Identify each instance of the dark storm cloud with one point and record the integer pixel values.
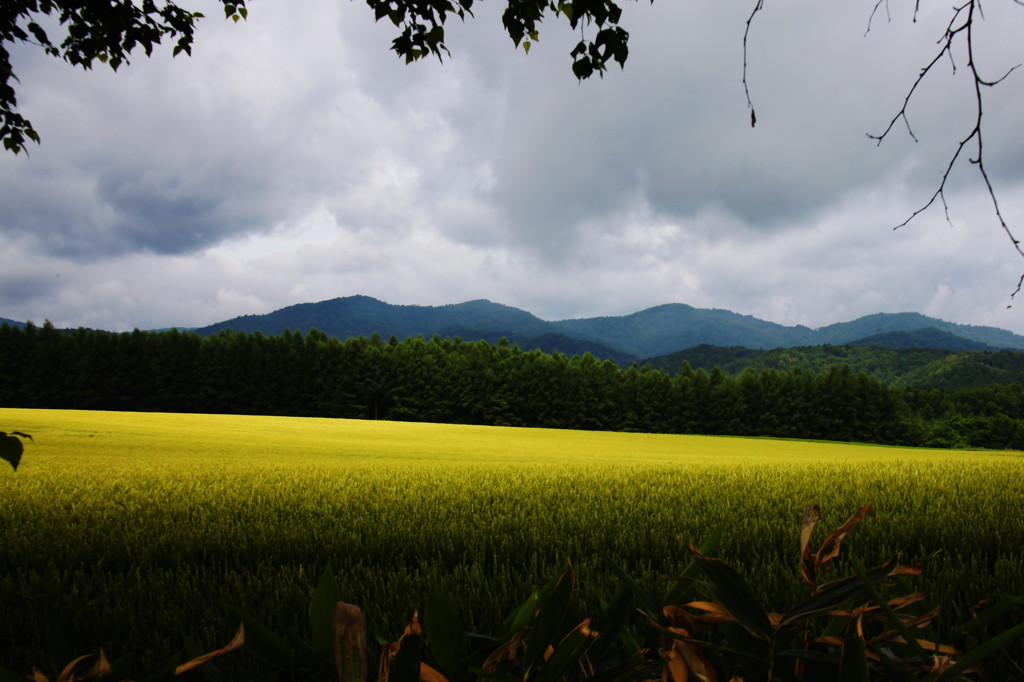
(295, 158)
(19, 284)
(674, 127)
(127, 209)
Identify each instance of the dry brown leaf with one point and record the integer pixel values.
(509, 651)
(384, 666)
(906, 600)
(919, 621)
(349, 636)
(68, 674)
(101, 667)
(830, 546)
(907, 569)
(237, 641)
(695, 661)
(930, 646)
(808, 568)
(941, 664)
(711, 607)
(678, 617)
(428, 674)
(413, 628)
(828, 640)
(674, 668)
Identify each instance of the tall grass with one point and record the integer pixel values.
(131, 529)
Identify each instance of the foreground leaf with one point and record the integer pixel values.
(444, 632)
(322, 605)
(732, 592)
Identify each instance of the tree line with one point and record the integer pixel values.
(454, 381)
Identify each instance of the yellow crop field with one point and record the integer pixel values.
(132, 528)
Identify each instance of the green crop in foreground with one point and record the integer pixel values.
(131, 528)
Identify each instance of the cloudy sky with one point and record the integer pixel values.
(294, 158)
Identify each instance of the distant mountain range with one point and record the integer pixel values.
(649, 333)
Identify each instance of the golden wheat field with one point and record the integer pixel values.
(131, 529)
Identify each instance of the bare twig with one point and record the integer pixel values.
(750, 105)
(874, 11)
(961, 23)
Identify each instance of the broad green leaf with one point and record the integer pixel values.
(264, 644)
(647, 602)
(163, 672)
(732, 592)
(982, 619)
(545, 626)
(444, 633)
(683, 586)
(983, 651)
(520, 618)
(611, 622)
(567, 653)
(325, 598)
(837, 593)
(853, 660)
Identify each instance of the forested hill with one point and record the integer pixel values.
(344, 318)
(899, 367)
(648, 333)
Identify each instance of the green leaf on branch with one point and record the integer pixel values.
(11, 447)
(444, 632)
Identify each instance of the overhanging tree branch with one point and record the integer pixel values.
(746, 88)
(109, 30)
(96, 30)
(961, 24)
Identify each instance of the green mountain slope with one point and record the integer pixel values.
(666, 328)
(923, 338)
(365, 316)
(648, 333)
(847, 332)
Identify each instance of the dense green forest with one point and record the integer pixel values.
(452, 381)
(906, 367)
